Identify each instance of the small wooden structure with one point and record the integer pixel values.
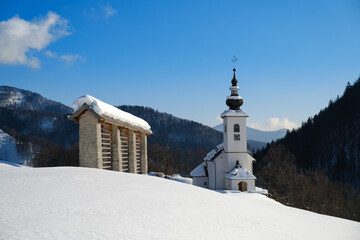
(108, 143)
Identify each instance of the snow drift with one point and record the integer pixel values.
(83, 203)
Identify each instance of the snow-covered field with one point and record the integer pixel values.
(83, 203)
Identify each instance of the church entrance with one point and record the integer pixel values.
(242, 186)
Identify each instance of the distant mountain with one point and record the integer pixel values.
(258, 135)
(176, 132)
(265, 136)
(32, 122)
(11, 97)
(253, 146)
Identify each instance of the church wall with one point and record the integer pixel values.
(233, 157)
(211, 172)
(201, 181)
(250, 163)
(220, 162)
(230, 145)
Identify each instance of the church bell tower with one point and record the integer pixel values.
(235, 141)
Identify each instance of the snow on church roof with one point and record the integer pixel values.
(214, 153)
(234, 113)
(199, 171)
(239, 173)
(108, 111)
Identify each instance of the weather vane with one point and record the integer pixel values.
(234, 60)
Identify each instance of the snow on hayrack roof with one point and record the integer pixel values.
(239, 173)
(109, 112)
(199, 171)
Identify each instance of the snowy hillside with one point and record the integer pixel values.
(81, 203)
(12, 97)
(9, 152)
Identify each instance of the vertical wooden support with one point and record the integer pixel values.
(143, 153)
(116, 149)
(124, 149)
(106, 150)
(138, 154)
(132, 151)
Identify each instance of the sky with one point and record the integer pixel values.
(176, 56)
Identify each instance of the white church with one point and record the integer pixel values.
(229, 166)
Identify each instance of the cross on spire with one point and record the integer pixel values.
(234, 60)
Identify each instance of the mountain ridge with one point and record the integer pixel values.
(259, 135)
(12, 97)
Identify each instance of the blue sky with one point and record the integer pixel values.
(175, 56)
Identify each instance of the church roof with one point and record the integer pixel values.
(239, 173)
(234, 113)
(214, 153)
(107, 112)
(199, 171)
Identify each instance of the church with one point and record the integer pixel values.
(229, 166)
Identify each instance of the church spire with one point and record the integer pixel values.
(234, 80)
(234, 101)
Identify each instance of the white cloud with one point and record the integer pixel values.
(100, 12)
(109, 11)
(90, 12)
(20, 38)
(273, 124)
(70, 58)
(50, 53)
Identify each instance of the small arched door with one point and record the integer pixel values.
(242, 186)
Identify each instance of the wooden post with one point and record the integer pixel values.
(116, 149)
(132, 151)
(143, 153)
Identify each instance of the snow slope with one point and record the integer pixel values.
(8, 151)
(82, 203)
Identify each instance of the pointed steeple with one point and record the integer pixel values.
(234, 101)
(234, 80)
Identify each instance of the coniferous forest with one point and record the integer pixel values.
(316, 167)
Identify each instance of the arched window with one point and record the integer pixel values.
(236, 128)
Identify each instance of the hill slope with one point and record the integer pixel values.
(12, 97)
(176, 132)
(317, 166)
(330, 141)
(82, 203)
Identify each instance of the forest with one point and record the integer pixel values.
(316, 167)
